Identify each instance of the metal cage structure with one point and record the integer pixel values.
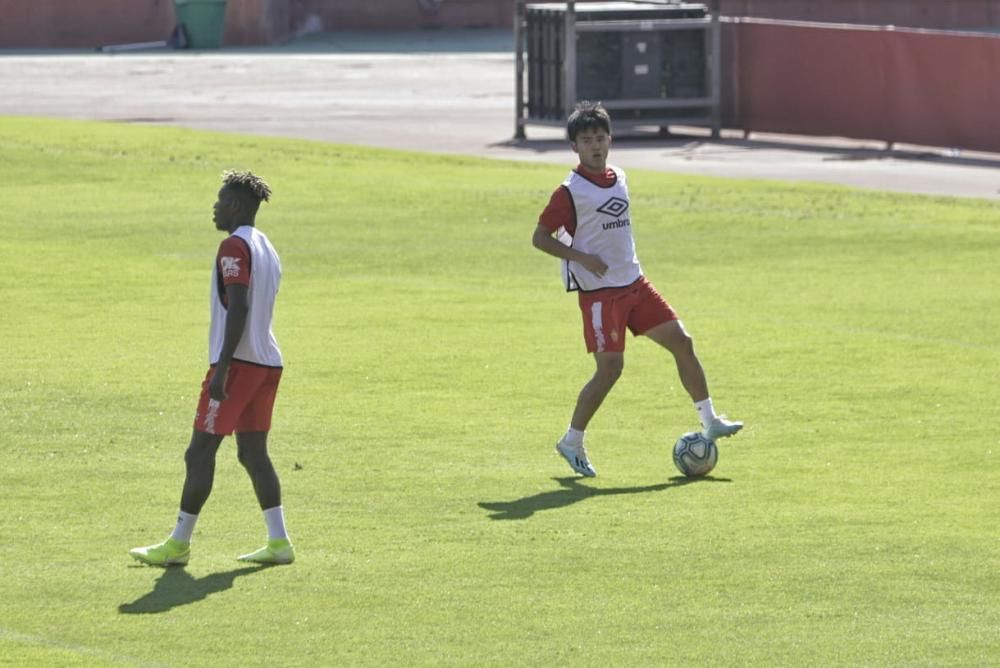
(651, 63)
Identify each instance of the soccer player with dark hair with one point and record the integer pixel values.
(588, 225)
(244, 370)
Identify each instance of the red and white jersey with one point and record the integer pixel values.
(247, 258)
(591, 214)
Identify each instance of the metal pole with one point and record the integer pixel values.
(519, 70)
(715, 71)
(569, 60)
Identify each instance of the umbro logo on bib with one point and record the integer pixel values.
(614, 207)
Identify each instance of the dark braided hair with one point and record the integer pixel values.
(248, 182)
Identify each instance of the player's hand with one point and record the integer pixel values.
(595, 265)
(217, 386)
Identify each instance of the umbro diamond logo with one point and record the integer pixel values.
(615, 207)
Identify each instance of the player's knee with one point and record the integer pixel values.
(253, 459)
(687, 344)
(197, 456)
(682, 344)
(245, 458)
(610, 371)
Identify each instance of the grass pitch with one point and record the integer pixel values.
(432, 362)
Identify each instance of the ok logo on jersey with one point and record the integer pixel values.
(615, 207)
(230, 266)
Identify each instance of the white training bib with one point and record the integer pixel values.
(603, 228)
(257, 344)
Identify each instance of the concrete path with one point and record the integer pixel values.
(449, 92)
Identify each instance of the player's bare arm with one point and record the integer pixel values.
(236, 320)
(545, 242)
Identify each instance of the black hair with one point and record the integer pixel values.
(587, 115)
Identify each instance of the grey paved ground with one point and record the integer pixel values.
(448, 92)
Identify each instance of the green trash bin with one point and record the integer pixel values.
(203, 22)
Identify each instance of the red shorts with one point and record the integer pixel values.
(606, 314)
(251, 389)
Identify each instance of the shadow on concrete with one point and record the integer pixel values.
(444, 41)
(470, 40)
(679, 144)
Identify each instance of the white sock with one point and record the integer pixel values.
(275, 519)
(185, 527)
(706, 411)
(574, 436)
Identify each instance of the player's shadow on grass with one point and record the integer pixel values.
(177, 587)
(573, 492)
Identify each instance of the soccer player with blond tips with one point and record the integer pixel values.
(242, 381)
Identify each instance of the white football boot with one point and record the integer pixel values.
(576, 456)
(721, 428)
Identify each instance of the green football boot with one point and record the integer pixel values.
(277, 551)
(168, 553)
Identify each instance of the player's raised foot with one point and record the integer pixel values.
(721, 428)
(277, 551)
(576, 456)
(168, 553)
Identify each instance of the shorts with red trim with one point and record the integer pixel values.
(251, 390)
(607, 312)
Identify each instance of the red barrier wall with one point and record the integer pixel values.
(87, 23)
(808, 80)
(944, 89)
(61, 24)
(936, 14)
(79, 24)
(257, 22)
(412, 14)
(909, 86)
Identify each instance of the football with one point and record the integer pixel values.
(695, 455)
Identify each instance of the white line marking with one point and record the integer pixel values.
(7, 635)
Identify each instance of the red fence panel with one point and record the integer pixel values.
(801, 79)
(934, 14)
(910, 86)
(61, 24)
(945, 89)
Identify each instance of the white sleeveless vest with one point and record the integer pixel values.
(603, 228)
(258, 345)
